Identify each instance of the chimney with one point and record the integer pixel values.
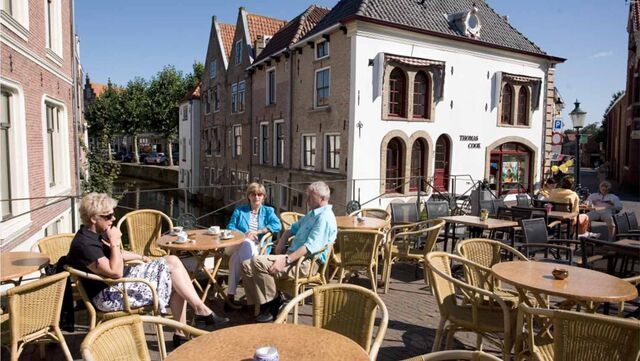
(261, 42)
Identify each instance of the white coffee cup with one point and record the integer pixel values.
(182, 237)
(177, 229)
(226, 233)
(214, 229)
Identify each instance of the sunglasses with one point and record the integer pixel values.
(108, 216)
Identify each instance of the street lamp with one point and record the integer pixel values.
(577, 118)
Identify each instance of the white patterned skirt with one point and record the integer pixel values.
(139, 294)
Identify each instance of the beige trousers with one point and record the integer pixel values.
(259, 284)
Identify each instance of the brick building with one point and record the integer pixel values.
(41, 113)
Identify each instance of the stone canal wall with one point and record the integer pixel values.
(160, 174)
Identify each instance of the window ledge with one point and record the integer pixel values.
(326, 109)
(58, 191)
(513, 126)
(13, 228)
(14, 25)
(54, 57)
(323, 58)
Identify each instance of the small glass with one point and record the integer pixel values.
(484, 214)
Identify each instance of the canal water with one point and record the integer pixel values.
(141, 194)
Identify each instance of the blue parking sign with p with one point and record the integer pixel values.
(557, 124)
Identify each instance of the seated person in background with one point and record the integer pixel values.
(254, 220)
(311, 234)
(565, 194)
(96, 248)
(611, 204)
(549, 185)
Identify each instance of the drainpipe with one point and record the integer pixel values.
(76, 116)
(291, 72)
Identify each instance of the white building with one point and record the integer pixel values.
(189, 141)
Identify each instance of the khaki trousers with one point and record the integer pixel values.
(259, 285)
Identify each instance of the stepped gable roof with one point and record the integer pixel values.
(431, 17)
(293, 31)
(193, 94)
(227, 32)
(263, 25)
(98, 88)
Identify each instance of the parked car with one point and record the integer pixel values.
(155, 158)
(143, 157)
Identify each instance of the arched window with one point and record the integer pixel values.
(507, 101)
(394, 170)
(523, 102)
(418, 156)
(511, 168)
(421, 96)
(397, 91)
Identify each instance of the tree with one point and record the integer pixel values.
(104, 114)
(192, 80)
(136, 108)
(165, 91)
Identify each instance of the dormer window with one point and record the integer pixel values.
(322, 50)
(466, 22)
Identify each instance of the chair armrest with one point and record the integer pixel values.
(628, 235)
(554, 224)
(565, 241)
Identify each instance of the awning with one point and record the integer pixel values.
(413, 61)
(519, 78)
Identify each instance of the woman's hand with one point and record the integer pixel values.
(146, 259)
(114, 236)
(253, 235)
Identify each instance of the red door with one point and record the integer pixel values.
(441, 173)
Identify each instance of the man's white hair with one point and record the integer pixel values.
(320, 188)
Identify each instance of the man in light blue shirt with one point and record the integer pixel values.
(312, 233)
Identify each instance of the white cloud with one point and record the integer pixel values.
(601, 54)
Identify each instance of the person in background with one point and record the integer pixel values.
(610, 203)
(311, 234)
(254, 220)
(565, 194)
(96, 248)
(603, 171)
(549, 185)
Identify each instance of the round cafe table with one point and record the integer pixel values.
(293, 342)
(15, 265)
(368, 223)
(202, 244)
(585, 287)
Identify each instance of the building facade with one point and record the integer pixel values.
(40, 118)
(189, 142)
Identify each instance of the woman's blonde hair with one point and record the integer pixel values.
(255, 187)
(93, 204)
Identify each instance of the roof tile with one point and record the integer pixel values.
(262, 25)
(227, 32)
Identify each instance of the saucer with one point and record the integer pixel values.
(223, 237)
(212, 233)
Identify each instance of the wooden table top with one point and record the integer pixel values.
(202, 241)
(352, 222)
(293, 342)
(562, 215)
(17, 264)
(474, 221)
(582, 284)
(628, 242)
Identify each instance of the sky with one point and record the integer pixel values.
(122, 39)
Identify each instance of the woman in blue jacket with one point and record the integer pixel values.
(254, 220)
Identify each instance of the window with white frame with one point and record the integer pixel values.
(185, 113)
(255, 146)
(278, 136)
(216, 141)
(56, 146)
(322, 49)
(207, 141)
(53, 26)
(241, 96)
(284, 196)
(271, 86)
(213, 176)
(213, 69)
(237, 140)
(215, 98)
(308, 151)
(234, 98)
(238, 52)
(205, 176)
(207, 102)
(332, 151)
(322, 82)
(243, 179)
(14, 168)
(54, 227)
(15, 16)
(264, 143)
(184, 149)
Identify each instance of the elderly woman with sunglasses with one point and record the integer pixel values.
(254, 220)
(96, 248)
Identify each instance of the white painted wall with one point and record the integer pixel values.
(468, 87)
(190, 131)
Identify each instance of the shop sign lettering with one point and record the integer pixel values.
(473, 139)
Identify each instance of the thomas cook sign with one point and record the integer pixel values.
(472, 139)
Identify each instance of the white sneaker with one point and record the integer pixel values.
(590, 235)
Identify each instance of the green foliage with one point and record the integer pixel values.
(102, 170)
(105, 113)
(192, 80)
(165, 91)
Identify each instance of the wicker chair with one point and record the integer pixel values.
(315, 275)
(358, 249)
(144, 227)
(289, 218)
(405, 246)
(54, 246)
(477, 310)
(373, 213)
(349, 310)
(454, 355)
(34, 313)
(404, 213)
(575, 336)
(97, 316)
(124, 338)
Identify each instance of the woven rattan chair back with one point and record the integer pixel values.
(373, 213)
(349, 310)
(54, 246)
(486, 253)
(575, 336)
(144, 227)
(124, 339)
(633, 221)
(359, 249)
(34, 312)
(455, 355)
(289, 218)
